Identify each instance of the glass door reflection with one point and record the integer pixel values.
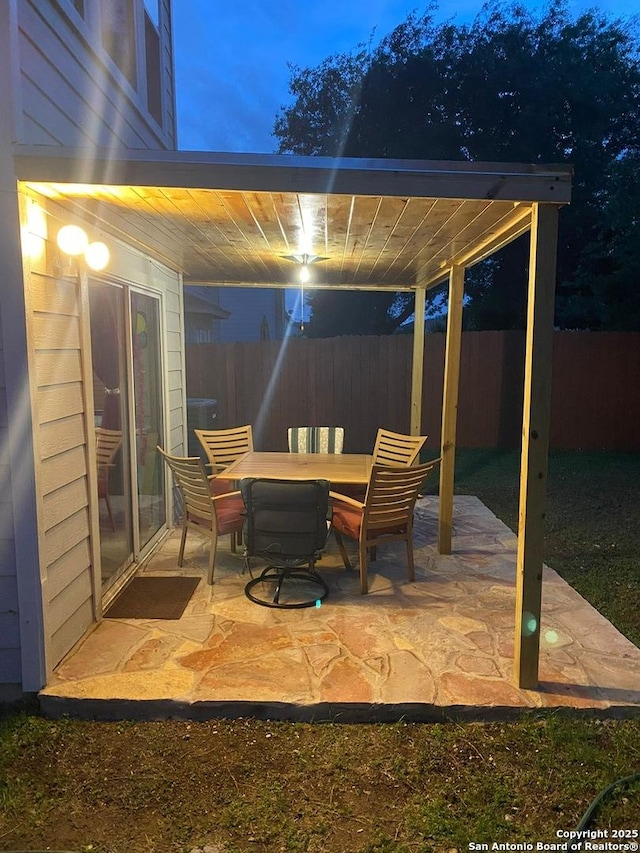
(107, 321)
(148, 417)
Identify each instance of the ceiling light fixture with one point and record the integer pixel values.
(304, 275)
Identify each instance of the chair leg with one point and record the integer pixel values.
(212, 554)
(234, 541)
(412, 574)
(343, 550)
(182, 543)
(362, 548)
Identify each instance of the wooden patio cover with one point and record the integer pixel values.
(232, 219)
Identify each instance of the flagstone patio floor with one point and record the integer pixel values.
(438, 648)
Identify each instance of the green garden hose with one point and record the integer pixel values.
(587, 817)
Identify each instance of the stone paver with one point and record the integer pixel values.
(440, 646)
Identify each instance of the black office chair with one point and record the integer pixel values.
(287, 525)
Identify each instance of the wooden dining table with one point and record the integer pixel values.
(351, 468)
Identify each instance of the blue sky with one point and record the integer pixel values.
(232, 58)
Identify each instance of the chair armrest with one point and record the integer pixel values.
(433, 462)
(346, 499)
(225, 495)
(215, 468)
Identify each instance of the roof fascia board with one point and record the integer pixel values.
(396, 288)
(281, 173)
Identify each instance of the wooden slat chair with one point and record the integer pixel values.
(222, 447)
(315, 439)
(392, 449)
(108, 442)
(204, 511)
(395, 448)
(385, 515)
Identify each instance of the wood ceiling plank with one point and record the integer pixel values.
(494, 221)
(363, 212)
(425, 240)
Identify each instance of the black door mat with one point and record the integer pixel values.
(153, 598)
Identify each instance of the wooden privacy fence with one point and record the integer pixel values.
(362, 383)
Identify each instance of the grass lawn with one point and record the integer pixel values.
(227, 786)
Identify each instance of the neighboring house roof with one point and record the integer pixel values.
(196, 305)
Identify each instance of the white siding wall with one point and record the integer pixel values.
(72, 92)
(59, 87)
(56, 325)
(175, 368)
(130, 266)
(9, 625)
(170, 122)
(61, 453)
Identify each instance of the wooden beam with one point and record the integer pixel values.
(535, 443)
(417, 368)
(299, 174)
(376, 286)
(450, 407)
(509, 229)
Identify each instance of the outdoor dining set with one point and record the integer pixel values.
(282, 507)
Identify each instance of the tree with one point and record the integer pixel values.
(512, 87)
(607, 279)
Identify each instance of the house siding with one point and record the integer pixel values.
(9, 624)
(61, 88)
(61, 457)
(57, 325)
(73, 93)
(175, 372)
(130, 266)
(168, 77)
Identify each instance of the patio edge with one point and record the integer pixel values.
(56, 707)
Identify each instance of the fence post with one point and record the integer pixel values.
(418, 361)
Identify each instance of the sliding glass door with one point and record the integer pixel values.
(128, 420)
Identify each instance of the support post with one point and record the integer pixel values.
(450, 407)
(418, 362)
(535, 442)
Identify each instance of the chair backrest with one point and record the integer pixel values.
(315, 439)
(392, 494)
(224, 446)
(395, 448)
(191, 478)
(285, 518)
(108, 441)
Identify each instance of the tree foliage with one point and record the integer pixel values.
(511, 87)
